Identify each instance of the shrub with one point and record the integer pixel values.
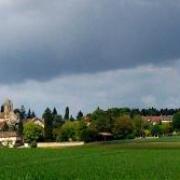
(156, 130)
(33, 144)
(32, 132)
(68, 132)
(147, 132)
(89, 134)
(75, 131)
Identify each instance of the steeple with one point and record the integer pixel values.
(8, 106)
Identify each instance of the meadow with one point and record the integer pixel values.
(127, 160)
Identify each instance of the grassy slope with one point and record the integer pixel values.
(120, 160)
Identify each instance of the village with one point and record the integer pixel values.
(95, 125)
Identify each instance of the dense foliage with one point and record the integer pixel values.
(114, 123)
(32, 132)
(48, 124)
(123, 128)
(176, 121)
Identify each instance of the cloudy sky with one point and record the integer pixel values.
(85, 53)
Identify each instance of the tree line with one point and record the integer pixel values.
(115, 123)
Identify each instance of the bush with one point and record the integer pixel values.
(75, 131)
(32, 132)
(156, 130)
(33, 144)
(147, 132)
(68, 132)
(89, 134)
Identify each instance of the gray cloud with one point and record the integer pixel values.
(42, 39)
(145, 86)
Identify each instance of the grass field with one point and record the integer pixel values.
(139, 159)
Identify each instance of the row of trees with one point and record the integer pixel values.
(115, 111)
(52, 125)
(144, 112)
(53, 120)
(120, 123)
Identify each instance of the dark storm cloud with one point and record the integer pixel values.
(43, 39)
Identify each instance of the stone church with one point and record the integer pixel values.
(8, 122)
(7, 113)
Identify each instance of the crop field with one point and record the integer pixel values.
(147, 160)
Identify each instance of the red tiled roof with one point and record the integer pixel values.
(153, 118)
(157, 118)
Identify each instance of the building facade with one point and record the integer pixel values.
(9, 121)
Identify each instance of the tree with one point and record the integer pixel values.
(86, 133)
(56, 133)
(29, 114)
(32, 132)
(57, 120)
(19, 125)
(23, 112)
(48, 124)
(166, 128)
(72, 118)
(80, 128)
(139, 125)
(33, 115)
(89, 134)
(134, 112)
(20, 128)
(176, 121)
(79, 115)
(101, 120)
(123, 127)
(156, 130)
(66, 116)
(54, 112)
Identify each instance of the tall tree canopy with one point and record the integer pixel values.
(176, 121)
(66, 115)
(48, 124)
(80, 115)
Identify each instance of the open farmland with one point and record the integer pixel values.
(156, 159)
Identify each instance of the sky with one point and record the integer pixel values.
(90, 53)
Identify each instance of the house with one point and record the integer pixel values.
(158, 119)
(7, 113)
(105, 136)
(36, 120)
(10, 139)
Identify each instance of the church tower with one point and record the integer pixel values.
(8, 108)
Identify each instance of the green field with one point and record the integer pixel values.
(148, 160)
